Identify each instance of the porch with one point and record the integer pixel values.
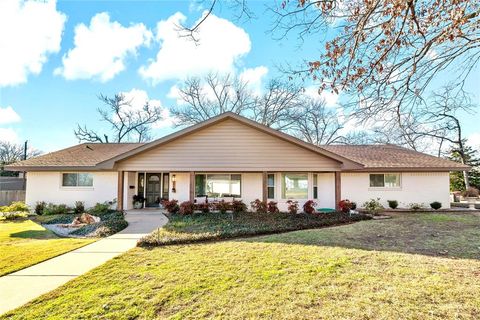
(322, 187)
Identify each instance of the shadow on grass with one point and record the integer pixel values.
(33, 234)
(439, 235)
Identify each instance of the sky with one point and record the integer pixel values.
(57, 57)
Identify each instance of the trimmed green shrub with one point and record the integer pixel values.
(99, 208)
(39, 207)
(393, 204)
(56, 209)
(79, 207)
(435, 205)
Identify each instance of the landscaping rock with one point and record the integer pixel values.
(85, 218)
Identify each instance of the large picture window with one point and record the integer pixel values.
(77, 179)
(218, 185)
(385, 180)
(294, 186)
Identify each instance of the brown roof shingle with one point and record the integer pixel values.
(392, 156)
(82, 155)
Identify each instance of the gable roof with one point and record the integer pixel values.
(104, 156)
(347, 163)
(390, 157)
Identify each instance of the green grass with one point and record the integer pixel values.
(377, 269)
(24, 243)
(214, 226)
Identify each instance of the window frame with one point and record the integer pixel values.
(315, 186)
(384, 187)
(283, 185)
(271, 186)
(205, 181)
(76, 186)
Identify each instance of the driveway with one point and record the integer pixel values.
(22, 286)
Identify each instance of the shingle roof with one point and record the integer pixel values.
(82, 155)
(392, 156)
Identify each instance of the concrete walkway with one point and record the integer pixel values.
(22, 286)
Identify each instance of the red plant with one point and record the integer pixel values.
(171, 206)
(259, 206)
(238, 206)
(292, 206)
(222, 206)
(272, 207)
(309, 207)
(187, 208)
(345, 205)
(204, 207)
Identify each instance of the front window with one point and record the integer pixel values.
(77, 180)
(294, 186)
(218, 185)
(385, 180)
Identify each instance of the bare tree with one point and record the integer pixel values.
(127, 123)
(317, 124)
(13, 152)
(278, 107)
(204, 98)
(384, 53)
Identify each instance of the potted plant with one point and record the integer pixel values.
(471, 194)
(138, 201)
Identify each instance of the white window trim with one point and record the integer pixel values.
(230, 173)
(73, 188)
(400, 180)
(309, 188)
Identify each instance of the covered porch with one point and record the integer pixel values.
(200, 186)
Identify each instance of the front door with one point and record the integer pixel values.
(152, 192)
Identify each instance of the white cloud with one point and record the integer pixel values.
(330, 98)
(101, 48)
(29, 32)
(254, 78)
(8, 115)
(474, 140)
(138, 98)
(221, 45)
(9, 135)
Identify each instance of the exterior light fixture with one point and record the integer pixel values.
(174, 183)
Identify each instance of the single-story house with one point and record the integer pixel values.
(231, 156)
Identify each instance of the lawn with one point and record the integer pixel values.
(414, 266)
(24, 243)
(198, 227)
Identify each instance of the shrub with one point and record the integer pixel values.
(204, 207)
(309, 207)
(79, 207)
(99, 208)
(110, 227)
(415, 206)
(39, 207)
(373, 206)
(272, 207)
(345, 205)
(171, 206)
(13, 215)
(471, 193)
(354, 205)
(435, 205)
(259, 206)
(51, 209)
(393, 204)
(292, 206)
(16, 206)
(222, 206)
(138, 198)
(238, 206)
(187, 208)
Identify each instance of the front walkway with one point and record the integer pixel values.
(22, 286)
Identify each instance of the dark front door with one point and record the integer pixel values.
(153, 189)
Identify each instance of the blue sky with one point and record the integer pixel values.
(60, 56)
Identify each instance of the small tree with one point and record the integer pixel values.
(13, 152)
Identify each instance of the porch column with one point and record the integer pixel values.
(338, 188)
(264, 186)
(192, 186)
(121, 178)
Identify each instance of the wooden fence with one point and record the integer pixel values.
(8, 196)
